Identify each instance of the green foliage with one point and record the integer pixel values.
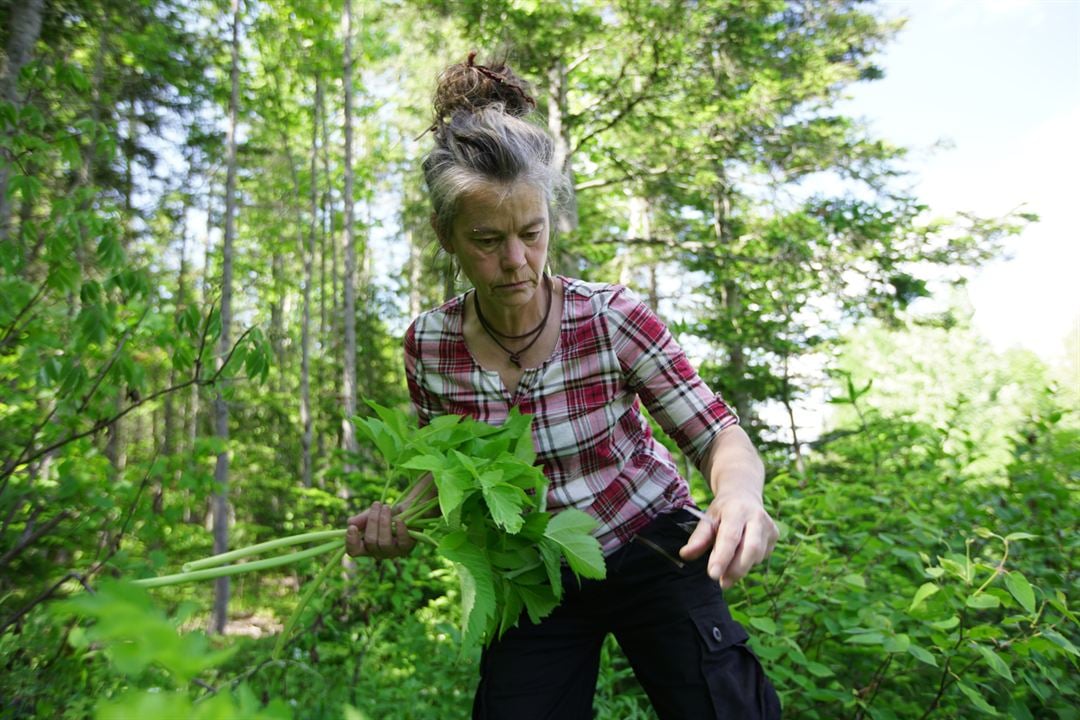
(122, 614)
(904, 588)
(138, 640)
(506, 548)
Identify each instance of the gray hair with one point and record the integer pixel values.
(485, 146)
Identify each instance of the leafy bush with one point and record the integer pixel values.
(905, 587)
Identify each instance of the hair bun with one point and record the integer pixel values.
(470, 87)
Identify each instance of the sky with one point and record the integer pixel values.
(986, 93)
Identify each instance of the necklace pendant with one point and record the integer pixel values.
(515, 360)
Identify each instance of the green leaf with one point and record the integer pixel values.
(1020, 536)
(922, 655)
(137, 635)
(145, 704)
(431, 463)
(925, 591)
(764, 624)
(947, 624)
(467, 463)
(512, 608)
(818, 670)
(388, 443)
(855, 580)
(571, 530)
(897, 643)
(505, 503)
(1061, 604)
(63, 276)
(69, 151)
(1060, 640)
(490, 478)
(961, 570)
(93, 324)
(477, 586)
(982, 601)
(28, 187)
(975, 698)
(454, 485)
(995, 662)
(1019, 587)
(539, 601)
(395, 420)
(867, 638)
(110, 251)
(552, 557)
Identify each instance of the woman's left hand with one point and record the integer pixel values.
(740, 533)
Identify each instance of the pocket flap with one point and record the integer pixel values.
(717, 629)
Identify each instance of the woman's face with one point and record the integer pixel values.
(500, 238)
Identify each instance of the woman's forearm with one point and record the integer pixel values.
(732, 464)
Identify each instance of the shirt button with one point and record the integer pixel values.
(717, 635)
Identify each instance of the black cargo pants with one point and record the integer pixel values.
(671, 621)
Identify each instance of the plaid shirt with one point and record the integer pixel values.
(596, 448)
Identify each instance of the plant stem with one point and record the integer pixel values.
(522, 570)
(244, 552)
(418, 511)
(217, 572)
(422, 538)
(283, 638)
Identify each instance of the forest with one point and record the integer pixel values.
(214, 232)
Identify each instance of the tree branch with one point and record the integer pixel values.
(105, 422)
(9, 332)
(604, 182)
(29, 538)
(111, 362)
(97, 565)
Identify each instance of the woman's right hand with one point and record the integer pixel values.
(379, 533)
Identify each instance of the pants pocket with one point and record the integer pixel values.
(738, 685)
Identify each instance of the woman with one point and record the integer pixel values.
(581, 357)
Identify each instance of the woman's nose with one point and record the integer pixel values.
(513, 255)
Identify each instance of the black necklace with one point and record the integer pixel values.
(535, 333)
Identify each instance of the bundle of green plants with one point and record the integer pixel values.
(488, 517)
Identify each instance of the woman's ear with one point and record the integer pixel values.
(444, 242)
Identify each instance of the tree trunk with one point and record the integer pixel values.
(305, 329)
(730, 299)
(221, 411)
(324, 209)
(169, 444)
(348, 406)
(640, 227)
(24, 27)
(326, 236)
(415, 270)
(567, 220)
(277, 311)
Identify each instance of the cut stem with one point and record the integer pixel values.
(250, 550)
(208, 574)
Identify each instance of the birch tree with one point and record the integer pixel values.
(221, 410)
